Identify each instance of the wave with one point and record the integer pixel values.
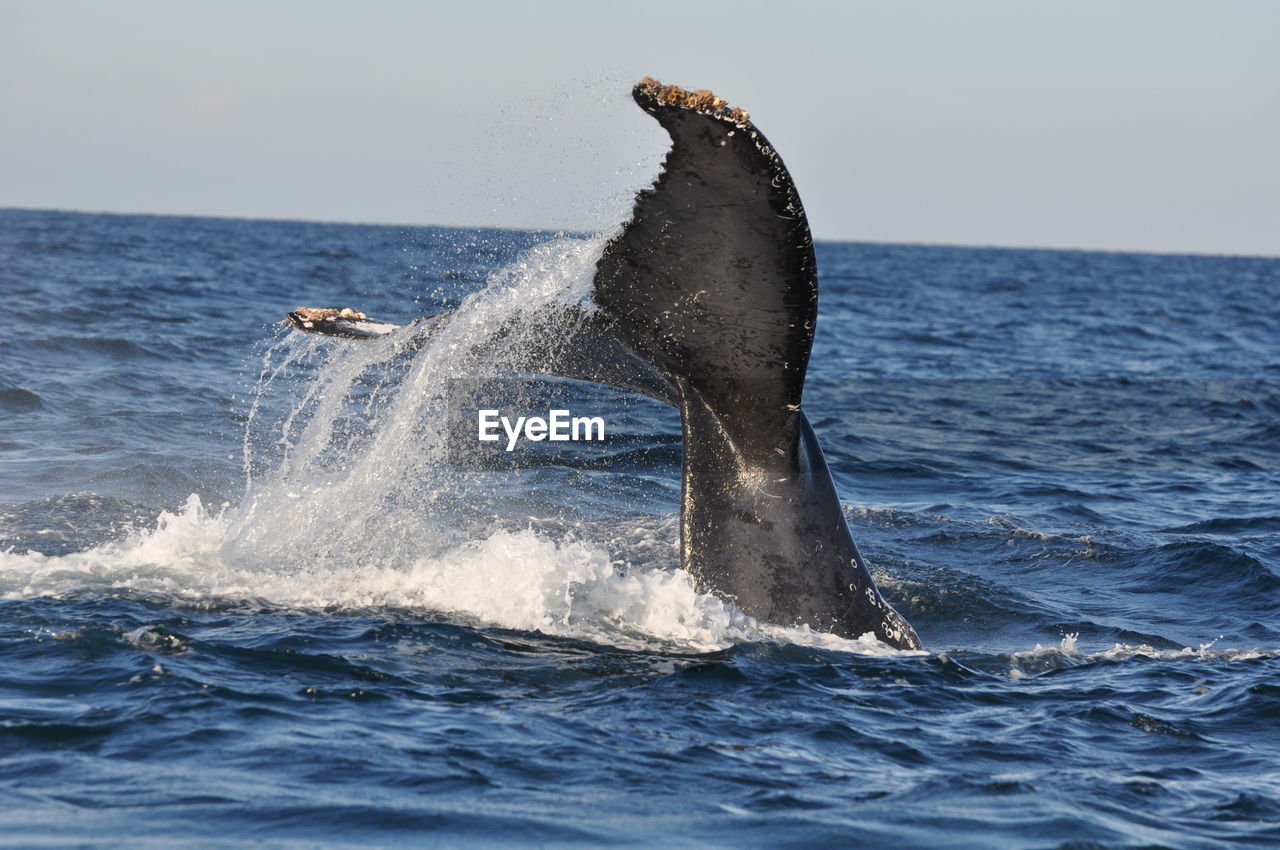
(517, 579)
(1220, 573)
(1229, 526)
(1042, 659)
(62, 524)
(622, 591)
(20, 400)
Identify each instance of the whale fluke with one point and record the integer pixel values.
(714, 281)
(707, 299)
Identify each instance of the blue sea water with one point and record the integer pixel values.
(255, 591)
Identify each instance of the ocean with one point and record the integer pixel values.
(257, 591)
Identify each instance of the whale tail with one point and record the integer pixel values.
(714, 282)
(707, 300)
(714, 278)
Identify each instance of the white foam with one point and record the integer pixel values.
(511, 579)
(1067, 651)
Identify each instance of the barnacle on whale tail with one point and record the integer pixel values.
(702, 100)
(325, 314)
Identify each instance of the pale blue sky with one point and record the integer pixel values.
(1113, 124)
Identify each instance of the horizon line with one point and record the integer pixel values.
(580, 232)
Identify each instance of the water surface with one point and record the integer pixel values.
(254, 593)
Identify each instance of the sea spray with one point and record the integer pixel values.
(369, 474)
(356, 499)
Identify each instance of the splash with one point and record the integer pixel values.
(521, 579)
(356, 498)
(361, 465)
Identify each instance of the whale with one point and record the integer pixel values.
(707, 300)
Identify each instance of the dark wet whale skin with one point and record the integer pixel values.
(714, 282)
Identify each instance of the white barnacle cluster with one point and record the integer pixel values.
(702, 100)
(311, 315)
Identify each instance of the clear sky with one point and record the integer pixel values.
(1110, 124)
